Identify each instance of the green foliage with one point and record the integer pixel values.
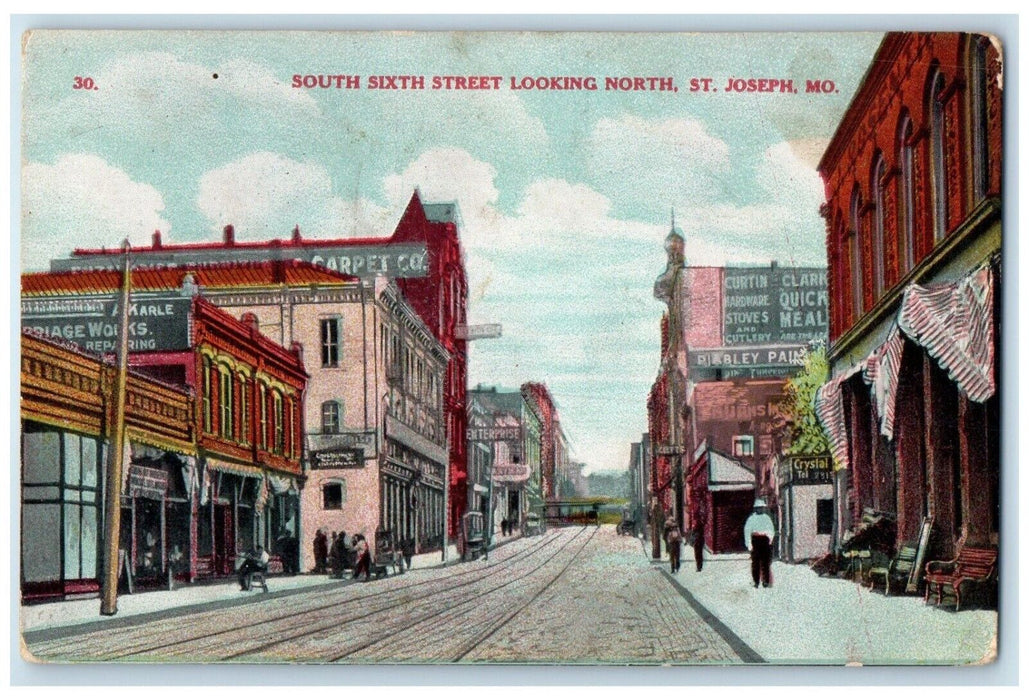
(802, 433)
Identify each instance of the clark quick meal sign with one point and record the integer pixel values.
(156, 323)
(766, 305)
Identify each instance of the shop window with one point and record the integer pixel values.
(330, 342)
(742, 445)
(823, 516)
(330, 417)
(334, 495)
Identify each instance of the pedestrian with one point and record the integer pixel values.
(673, 542)
(321, 551)
(758, 534)
(254, 560)
(364, 558)
(699, 528)
(408, 549)
(336, 555)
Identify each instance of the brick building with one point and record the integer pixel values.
(225, 476)
(913, 222)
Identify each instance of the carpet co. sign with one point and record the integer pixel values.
(764, 305)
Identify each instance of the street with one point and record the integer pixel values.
(578, 594)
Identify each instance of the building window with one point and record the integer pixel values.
(906, 239)
(854, 250)
(937, 155)
(334, 495)
(878, 261)
(279, 444)
(262, 438)
(205, 392)
(330, 342)
(980, 152)
(823, 516)
(330, 417)
(225, 402)
(742, 445)
(244, 410)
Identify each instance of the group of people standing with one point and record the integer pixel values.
(758, 535)
(336, 553)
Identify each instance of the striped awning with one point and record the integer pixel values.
(829, 409)
(882, 370)
(953, 321)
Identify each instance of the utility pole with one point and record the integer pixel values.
(116, 454)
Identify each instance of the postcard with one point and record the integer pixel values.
(510, 347)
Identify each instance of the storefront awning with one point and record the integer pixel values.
(250, 470)
(953, 321)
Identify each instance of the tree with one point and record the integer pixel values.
(802, 432)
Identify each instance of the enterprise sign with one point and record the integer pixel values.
(388, 259)
(494, 433)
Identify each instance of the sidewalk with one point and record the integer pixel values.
(804, 618)
(223, 591)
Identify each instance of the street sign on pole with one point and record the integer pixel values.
(479, 332)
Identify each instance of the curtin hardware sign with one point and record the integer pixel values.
(156, 323)
(338, 459)
(765, 305)
(387, 259)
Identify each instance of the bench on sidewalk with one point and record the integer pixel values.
(898, 570)
(974, 568)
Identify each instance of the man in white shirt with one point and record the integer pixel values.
(758, 535)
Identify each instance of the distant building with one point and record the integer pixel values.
(913, 222)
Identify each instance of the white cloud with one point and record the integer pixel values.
(643, 161)
(264, 195)
(447, 175)
(83, 201)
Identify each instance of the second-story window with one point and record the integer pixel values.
(225, 402)
(262, 437)
(937, 158)
(244, 410)
(205, 391)
(330, 417)
(878, 261)
(906, 218)
(279, 444)
(854, 245)
(330, 342)
(980, 116)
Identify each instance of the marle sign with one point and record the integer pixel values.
(156, 323)
(388, 260)
(764, 305)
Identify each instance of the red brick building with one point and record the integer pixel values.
(544, 405)
(237, 482)
(913, 219)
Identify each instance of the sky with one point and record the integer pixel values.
(565, 195)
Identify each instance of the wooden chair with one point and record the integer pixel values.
(897, 571)
(974, 568)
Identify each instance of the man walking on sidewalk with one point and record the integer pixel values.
(673, 541)
(758, 534)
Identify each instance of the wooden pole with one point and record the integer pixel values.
(116, 454)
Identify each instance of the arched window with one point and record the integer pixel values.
(225, 402)
(906, 215)
(279, 444)
(937, 151)
(244, 410)
(205, 394)
(331, 417)
(878, 257)
(980, 152)
(854, 254)
(262, 438)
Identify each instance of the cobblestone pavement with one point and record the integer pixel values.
(576, 595)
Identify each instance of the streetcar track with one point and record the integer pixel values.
(388, 609)
(133, 646)
(460, 608)
(479, 640)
